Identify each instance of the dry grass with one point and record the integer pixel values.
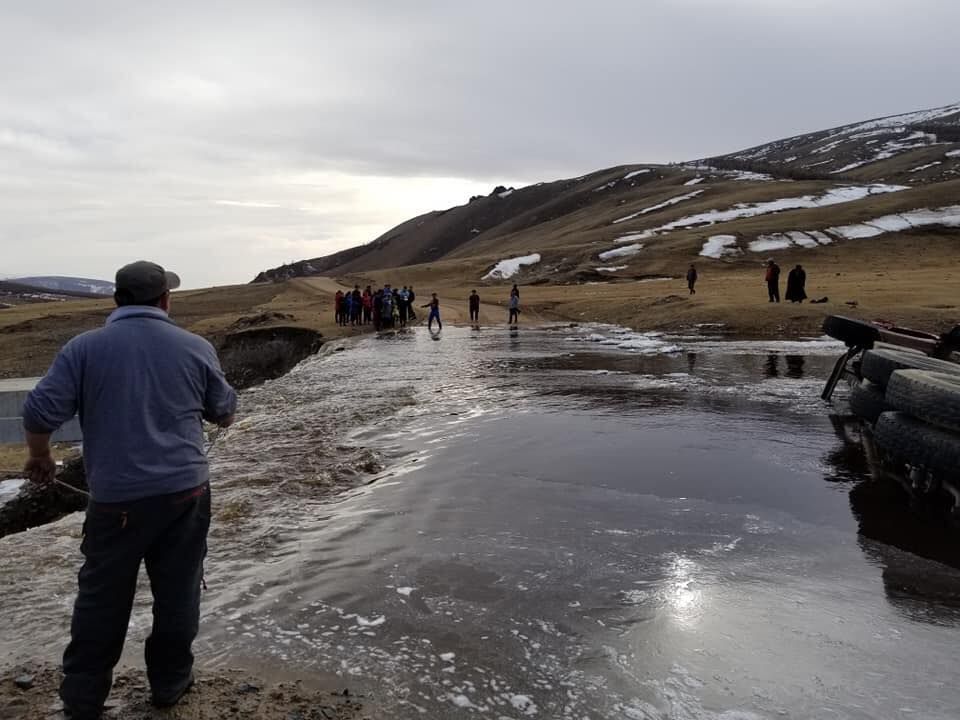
(14, 455)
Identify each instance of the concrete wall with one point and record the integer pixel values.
(12, 395)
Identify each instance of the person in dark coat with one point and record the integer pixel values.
(692, 279)
(796, 285)
(773, 280)
(474, 307)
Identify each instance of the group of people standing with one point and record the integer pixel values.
(390, 307)
(796, 283)
(386, 307)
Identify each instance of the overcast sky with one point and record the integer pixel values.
(222, 138)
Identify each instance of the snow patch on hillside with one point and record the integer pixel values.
(626, 251)
(719, 245)
(945, 216)
(611, 268)
(636, 172)
(660, 206)
(508, 268)
(953, 154)
(834, 196)
(892, 148)
(921, 168)
(695, 181)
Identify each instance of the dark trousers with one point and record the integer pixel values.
(773, 290)
(514, 317)
(474, 315)
(168, 533)
(690, 284)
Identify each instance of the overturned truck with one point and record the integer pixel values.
(905, 387)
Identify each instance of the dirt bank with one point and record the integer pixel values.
(30, 692)
(39, 504)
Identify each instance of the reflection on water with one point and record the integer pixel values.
(915, 543)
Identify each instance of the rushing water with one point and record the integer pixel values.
(557, 523)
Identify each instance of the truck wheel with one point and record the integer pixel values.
(928, 396)
(867, 401)
(855, 333)
(914, 442)
(878, 365)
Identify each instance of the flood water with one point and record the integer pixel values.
(556, 523)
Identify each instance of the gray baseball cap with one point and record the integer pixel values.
(143, 282)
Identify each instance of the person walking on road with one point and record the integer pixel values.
(474, 308)
(773, 280)
(514, 306)
(797, 285)
(434, 306)
(142, 387)
(692, 279)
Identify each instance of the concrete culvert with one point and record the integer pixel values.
(931, 397)
(879, 365)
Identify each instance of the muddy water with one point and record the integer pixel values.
(564, 522)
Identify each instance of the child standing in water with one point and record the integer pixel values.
(434, 306)
(514, 308)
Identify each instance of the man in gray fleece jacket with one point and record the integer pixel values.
(141, 386)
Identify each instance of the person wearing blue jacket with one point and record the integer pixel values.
(142, 387)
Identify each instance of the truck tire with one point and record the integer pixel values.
(914, 442)
(928, 396)
(867, 401)
(855, 333)
(878, 365)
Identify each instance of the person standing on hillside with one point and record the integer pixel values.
(692, 279)
(773, 280)
(797, 285)
(434, 306)
(474, 307)
(514, 306)
(142, 387)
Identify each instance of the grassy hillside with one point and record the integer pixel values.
(912, 160)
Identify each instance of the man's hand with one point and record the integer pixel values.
(41, 469)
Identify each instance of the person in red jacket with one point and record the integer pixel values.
(773, 280)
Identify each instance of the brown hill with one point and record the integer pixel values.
(768, 199)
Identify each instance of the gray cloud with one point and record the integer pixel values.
(134, 130)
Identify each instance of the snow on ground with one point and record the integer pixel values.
(612, 268)
(818, 164)
(607, 186)
(508, 268)
(891, 148)
(914, 118)
(719, 245)
(633, 237)
(636, 172)
(625, 251)
(695, 181)
(505, 193)
(833, 196)
(953, 154)
(926, 167)
(9, 489)
(946, 216)
(660, 206)
(732, 174)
